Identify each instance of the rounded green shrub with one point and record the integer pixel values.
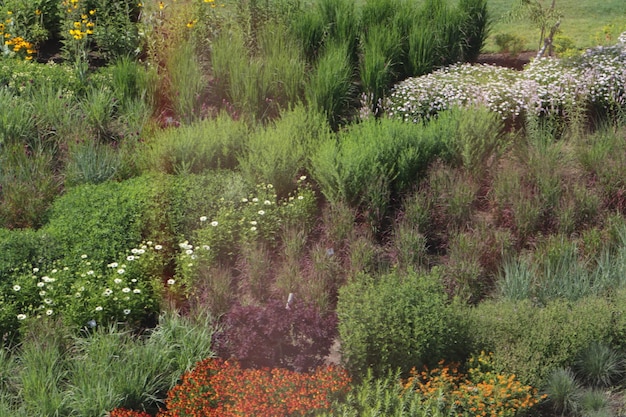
(532, 341)
(398, 322)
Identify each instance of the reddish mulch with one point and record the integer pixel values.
(507, 60)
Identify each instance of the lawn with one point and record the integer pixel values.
(587, 23)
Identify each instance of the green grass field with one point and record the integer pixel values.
(586, 22)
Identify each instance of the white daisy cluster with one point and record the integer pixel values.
(545, 87)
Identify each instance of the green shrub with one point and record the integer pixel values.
(25, 77)
(480, 140)
(398, 322)
(19, 249)
(197, 195)
(105, 220)
(223, 235)
(36, 21)
(375, 160)
(509, 44)
(116, 34)
(279, 153)
(384, 396)
(88, 293)
(532, 341)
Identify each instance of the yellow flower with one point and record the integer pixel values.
(28, 58)
(9, 12)
(77, 25)
(37, 12)
(161, 5)
(92, 12)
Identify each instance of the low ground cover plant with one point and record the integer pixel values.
(223, 388)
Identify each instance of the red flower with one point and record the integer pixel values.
(224, 389)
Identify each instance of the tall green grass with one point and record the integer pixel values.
(557, 270)
(329, 88)
(186, 81)
(54, 373)
(369, 163)
(259, 81)
(28, 185)
(380, 62)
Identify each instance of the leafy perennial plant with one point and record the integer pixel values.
(483, 392)
(87, 295)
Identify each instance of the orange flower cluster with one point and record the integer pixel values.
(17, 44)
(217, 388)
(123, 412)
(482, 393)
